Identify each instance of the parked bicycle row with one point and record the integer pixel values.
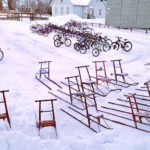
(86, 38)
(97, 44)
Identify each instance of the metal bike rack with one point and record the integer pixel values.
(46, 123)
(118, 73)
(101, 75)
(6, 114)
(136, 112)
(45, 71)
(88, 118)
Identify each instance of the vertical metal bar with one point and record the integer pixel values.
(92, 88)
(87, 113)
(134, 119)
(48, 70)
(77, 83)
(137, 109)
(105, 72)
(121, 70)
(88, 73)
(96, 72)
(70, 90)
(6, 109)
(54, 117)
(78, 87)
(40, 70)
(104, 69)
(53, 111)
(39, 114)
(146, 31)
(80, 79)
(114, 70)
(148, 89)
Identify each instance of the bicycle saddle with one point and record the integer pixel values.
(118, 37)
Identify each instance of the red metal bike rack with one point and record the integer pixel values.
(136, 112)
(148, 87)
(88, 118)
(118, 73)
(46, 123)
(101, 75)
(87, 85)
(75, 91)
(6, 114)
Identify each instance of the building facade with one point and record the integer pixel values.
(83, 9)
(128, 13)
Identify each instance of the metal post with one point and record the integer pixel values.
(121, 70)
(39, 114)
(136, 106)
(70, 90)
(134, 119)
(6, 108)
(48, 70)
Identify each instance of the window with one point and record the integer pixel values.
(100, 12)
(56, 10)
(68, 10)
(62, 10)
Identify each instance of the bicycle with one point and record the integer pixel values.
(125, 45)
(62, 39)
(82, 45)
(1, 54)
(99, 46)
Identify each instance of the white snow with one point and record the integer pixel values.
(81, 3)
(22, 52)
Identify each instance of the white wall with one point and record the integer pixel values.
(98, 5)
(79, 11)
(66, 5)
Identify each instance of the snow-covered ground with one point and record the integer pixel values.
(22, 52)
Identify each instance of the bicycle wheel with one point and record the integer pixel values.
(82, 49)
(57, 43)
(67, 42)
(106, 47)
(45, 34)
(95, 52)
(76, 46)
(115, 45)
(1, 54)
(56, 37)
(109, 41)
(127, 46)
